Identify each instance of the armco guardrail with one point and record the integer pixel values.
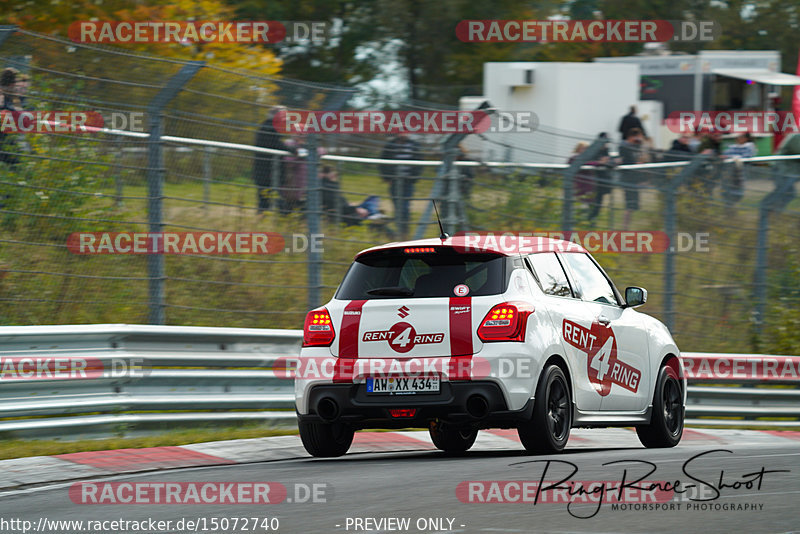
(737, 390)
(71, 381)
(133, 377)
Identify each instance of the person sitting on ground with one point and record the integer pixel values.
(333, 201)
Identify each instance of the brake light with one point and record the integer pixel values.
(402, 412)
(418, 250)
(505, 322)
(318, 329)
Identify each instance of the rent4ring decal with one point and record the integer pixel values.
(604, 369)
(402, 337)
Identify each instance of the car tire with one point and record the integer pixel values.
(666, 422)
(548, 429)
(450, 439)
(326, 440)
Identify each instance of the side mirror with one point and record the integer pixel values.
(635, 296)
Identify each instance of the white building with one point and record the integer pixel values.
(573, 102)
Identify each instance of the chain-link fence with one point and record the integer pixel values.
(728, 280)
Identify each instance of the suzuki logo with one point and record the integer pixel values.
(402, 311)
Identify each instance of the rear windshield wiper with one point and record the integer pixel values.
(391, 292)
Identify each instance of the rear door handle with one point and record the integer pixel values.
(603, 320)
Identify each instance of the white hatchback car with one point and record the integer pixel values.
(454, 338)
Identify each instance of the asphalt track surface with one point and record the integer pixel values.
(419, 485)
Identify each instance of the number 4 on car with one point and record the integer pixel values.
(456, 339)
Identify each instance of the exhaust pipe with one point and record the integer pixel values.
(477, 406)
(328, 409)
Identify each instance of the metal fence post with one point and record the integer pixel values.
(773, 202)
(436, 192)
(614, 176)
(155, 186)
(453, 194)
(337, 213)
(313, 212)
(206, 176)
(116, 171)
(450, 149)
(671, 228)
(6, 32)
(275, 178)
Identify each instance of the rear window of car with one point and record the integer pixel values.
(395, 274)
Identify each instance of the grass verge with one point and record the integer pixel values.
(25, 448)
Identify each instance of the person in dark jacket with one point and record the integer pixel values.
(401, 178)
(629, 122)
(682, 144)
(8, 96)
(264, 164)
(602, 179)
(631, 151)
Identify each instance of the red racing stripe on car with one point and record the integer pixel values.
(348, 341)
(460, 337)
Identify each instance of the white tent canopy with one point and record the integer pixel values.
(763, 76)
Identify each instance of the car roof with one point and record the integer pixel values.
(506, 245)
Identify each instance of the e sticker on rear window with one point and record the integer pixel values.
(461, 290)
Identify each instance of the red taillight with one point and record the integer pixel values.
(505, 322)
(402, 412)
(419, 250)
(318, 329)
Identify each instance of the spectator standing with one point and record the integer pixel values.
(680, 149)
(629, 122)
(631, 151)
(694, 142)
(264, 163)
(733, 189)
(744, 147)
(602, 179)
(584, 178)
(401, 178)
(711, 143)
(21, 88)
(8, 97)
(294, 187)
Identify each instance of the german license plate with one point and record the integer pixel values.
(400, 385)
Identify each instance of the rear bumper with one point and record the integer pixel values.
(361, 410)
